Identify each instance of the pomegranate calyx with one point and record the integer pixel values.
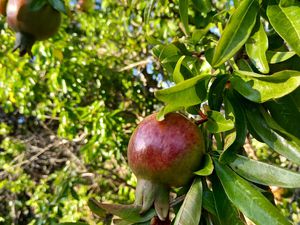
(24, 42)
(149, 193)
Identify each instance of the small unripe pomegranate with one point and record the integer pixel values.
(85, 5)
(163, 154)
(29, 25)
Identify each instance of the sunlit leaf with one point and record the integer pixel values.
(217, 123)
(264, 173)
(286, 22)
(260, 88)
(247, 199)
(226, 212)
(277, 57)
(207, 166)
(177, 76)
(256, 48)
(184, 16)
(236, 32)
(190, 210)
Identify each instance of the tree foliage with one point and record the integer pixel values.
(67, 113)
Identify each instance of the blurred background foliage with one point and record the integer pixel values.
(67, 114)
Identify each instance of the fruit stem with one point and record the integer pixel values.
(203, 119)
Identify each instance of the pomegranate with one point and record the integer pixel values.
(163, 154)
(3, 4)
(29, 25)
(85, 5)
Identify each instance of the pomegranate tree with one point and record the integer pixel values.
(163, 154)
(31, 25)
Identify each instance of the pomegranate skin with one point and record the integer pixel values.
(166, 152)
(40, 24)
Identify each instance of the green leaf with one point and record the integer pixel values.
(217, 123)
(279, 141)
(277, 57)
(183, 94)
(59, 5)
(215, 94)
(121, 222)
(256, 48)
(203, 6)
(240, 124)
(264, 173)
(165, 110)
(184, 16)
(148, 10)
(37, 4)
(247, 199)
(96, 207)
(261, 88)
(286, 112)
(130, 213)
(177, 76)
(208, 202)
(190, 210)
(226, 212)
(207, 166)
(236, 32)
(74, 223)
(286, 22)
(199, 34)
(244, 65)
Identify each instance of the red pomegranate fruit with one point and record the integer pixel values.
(163, 154)
(29, 25)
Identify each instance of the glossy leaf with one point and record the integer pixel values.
(244, 65)
(240, 128)
(286, 112)
(215, 94)
(130, 213)
(96, 207)
(279, 141)
(236, 32)
(277, 57)
(190, 210)
(264, 173)
(286, 22)
(177, 76)
(217, 123)
(208, 202)
(207, 166)
(226, 212)
(37, 4)
(167, 109)
(247, 199)
(256, 48)
(148, 10)
(59, 5)
(183, 94)
(184, 16)
(261, 88)
(198, 34)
